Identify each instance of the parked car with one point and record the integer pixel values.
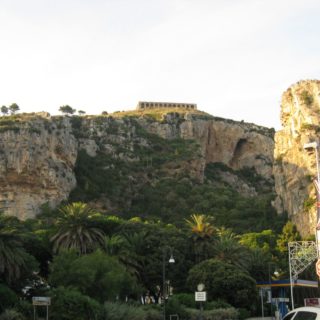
(303, 313)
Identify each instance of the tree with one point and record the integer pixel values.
(76, 229)
(8, 298)
(289, 234)
(81, 112)
(202, 235)
(68, 303)
(4, 110)
(265, 240)
(200, 226)
(228, 249)
(113, 245)
(14, 108)
(66, 109)
(96, 275)
(13, 258)
(225, 281)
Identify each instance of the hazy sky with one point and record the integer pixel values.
(234, 58)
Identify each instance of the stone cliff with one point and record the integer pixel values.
(295, 167)
(39, 155)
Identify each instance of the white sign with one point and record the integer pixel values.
(41, 301)
(201, 296)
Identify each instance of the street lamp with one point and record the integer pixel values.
(270, 284)
(315, 146)
(171, 260)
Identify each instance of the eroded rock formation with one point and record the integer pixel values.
(295, 167)
(39, 152)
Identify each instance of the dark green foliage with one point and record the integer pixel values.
(24, 307)
(124, 184)
(96, 275)
(77, 130)
(14, 108)
(7, 298)
(186, 299)
(181, 198)
(121, 311)
(70, 304)
(100, 175)
(174, 306)
(224, 281)
(4, 110)
(11, 314)
(15, 262)
(216, 314)
(66, 109)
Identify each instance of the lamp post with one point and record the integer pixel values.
(171, 260)
(315, 146)
(276, 273)
(270, 284)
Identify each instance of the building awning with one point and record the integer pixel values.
(286, 283)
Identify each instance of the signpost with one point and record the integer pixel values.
(41, 301)
(200, 296)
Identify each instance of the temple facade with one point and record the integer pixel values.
(142, 105)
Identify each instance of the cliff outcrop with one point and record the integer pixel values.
(42, 157)
(295, 167)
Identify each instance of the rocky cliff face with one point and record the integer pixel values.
(295, 167)
(38, 152)
(37, 155)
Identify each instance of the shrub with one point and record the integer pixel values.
(187, 299)
(124, 311)
(70, 304)
(307, 98)
(25, 307)
(174, 306)
(11, 314)
(216, 314)
(7, 298)
(309, 203)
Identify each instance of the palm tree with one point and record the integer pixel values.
(13, 257)
(113, 245)
(133, 254)
(200, 226)
(76, 229)
(202, 233)
(228, 249)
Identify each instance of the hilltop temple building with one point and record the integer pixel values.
(142, 105)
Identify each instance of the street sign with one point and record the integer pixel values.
(201, 296)
(312, 302)
(318, 267)
(41, 301)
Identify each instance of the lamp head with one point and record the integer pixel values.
(171, 260)
(200, 287)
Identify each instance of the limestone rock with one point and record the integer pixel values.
(36, 165)
(294, 167)
(38, 153)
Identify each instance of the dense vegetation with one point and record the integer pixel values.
(61, 254)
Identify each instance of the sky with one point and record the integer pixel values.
(233, 58)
